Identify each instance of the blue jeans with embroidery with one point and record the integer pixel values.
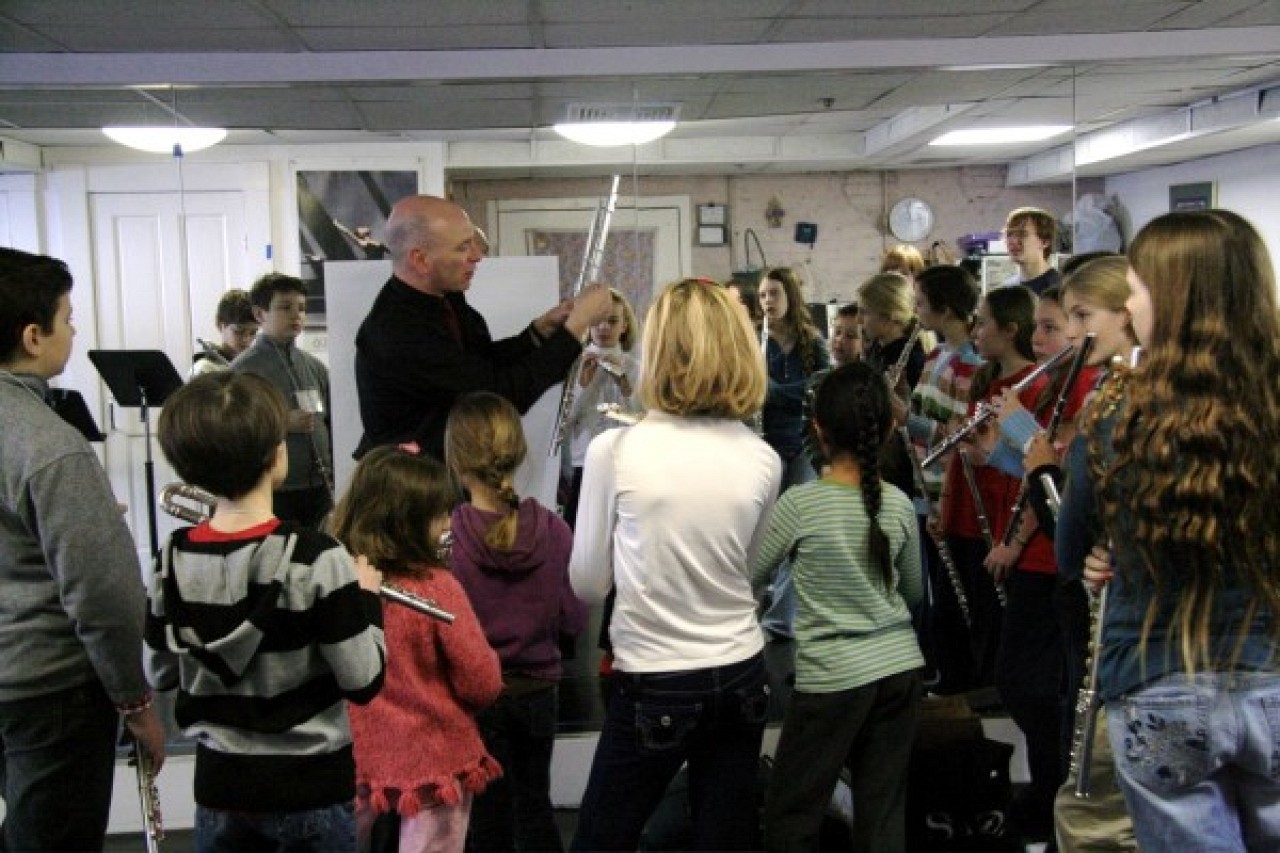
(324, 830)
(1199, 761)
(714, 719)
(780, 618)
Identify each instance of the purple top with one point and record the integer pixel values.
(521, 596)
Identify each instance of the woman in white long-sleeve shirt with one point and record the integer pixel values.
(670, 516)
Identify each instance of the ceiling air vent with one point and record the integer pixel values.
(580, 112)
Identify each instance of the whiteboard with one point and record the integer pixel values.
(508, 293)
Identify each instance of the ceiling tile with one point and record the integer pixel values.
(812, 28)
(397, 13)
(487, 36)
(87, 38)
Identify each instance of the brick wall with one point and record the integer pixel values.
(849, 208)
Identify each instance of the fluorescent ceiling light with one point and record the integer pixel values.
(166, 140)
(1000, 135)
(607, 133)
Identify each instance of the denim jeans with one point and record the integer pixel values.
(780, 618)
(324, 830)
(1199, 761)
(714, 719)
(514, 812)
(59, 761)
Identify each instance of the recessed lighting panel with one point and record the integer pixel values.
(1001, 135)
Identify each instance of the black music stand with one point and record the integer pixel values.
(71, 407)
(141, 378)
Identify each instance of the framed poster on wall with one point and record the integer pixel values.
(341, 216)
(1198, 196)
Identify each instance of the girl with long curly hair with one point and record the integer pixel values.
(1189, 478)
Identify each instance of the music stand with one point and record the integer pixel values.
(141, 378)
(71, 407)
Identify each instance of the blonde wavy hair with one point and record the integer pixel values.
(627, 340)
(700, 355)
(890, 294)
(1102, 281)
(1196, 448)
(484, 439)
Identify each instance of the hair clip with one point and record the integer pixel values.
(410, 447)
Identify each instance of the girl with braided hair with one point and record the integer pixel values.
(512, 558)
(855, 554)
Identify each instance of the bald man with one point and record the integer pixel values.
(422, 345)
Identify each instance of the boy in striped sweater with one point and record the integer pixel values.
(946, 300)
(264, 627)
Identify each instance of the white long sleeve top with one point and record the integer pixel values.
(671, 513)
(585, 420)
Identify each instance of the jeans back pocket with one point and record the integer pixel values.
(1166, 740)
(664, 724)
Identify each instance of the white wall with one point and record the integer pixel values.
(1248, 183)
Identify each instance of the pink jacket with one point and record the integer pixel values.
(416, 744)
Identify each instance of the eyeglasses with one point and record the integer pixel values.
(444, 547)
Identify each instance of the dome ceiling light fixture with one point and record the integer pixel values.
(159, 139)
(604, 125)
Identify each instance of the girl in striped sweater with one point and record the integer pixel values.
(855, 554)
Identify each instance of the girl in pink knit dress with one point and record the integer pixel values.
(418, 751)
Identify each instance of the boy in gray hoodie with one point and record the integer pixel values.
(71, 612)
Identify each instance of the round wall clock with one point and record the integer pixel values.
(910, 219)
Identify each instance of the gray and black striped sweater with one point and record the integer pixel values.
(264, 633)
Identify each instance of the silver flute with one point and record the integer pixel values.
(984, 411)
(966, 467)
(894, 374)
(757, 420)
(1088, 703)
(1051, 496)
(212, 353)
(149, 800)
(1055, 421)
(592, 258)
(1087, 700)
(939, 539)
(193, 505)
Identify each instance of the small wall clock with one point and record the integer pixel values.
(910, 219)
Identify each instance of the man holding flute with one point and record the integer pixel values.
(421, 345)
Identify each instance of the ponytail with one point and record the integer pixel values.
(485, 440)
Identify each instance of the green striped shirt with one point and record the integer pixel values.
(849, 629)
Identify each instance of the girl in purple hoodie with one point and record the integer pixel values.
(512, 558)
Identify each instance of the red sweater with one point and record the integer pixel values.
(417, 744)
(998, 490)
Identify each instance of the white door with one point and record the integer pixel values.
(648, 247)
(157, 286)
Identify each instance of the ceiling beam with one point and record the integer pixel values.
(236, 68)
